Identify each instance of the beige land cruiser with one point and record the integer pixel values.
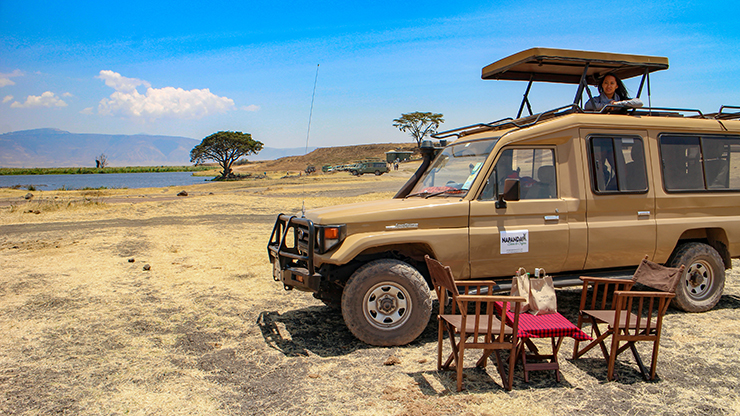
(571, 191)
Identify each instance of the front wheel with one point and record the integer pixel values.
(386, 302)
(703, 280)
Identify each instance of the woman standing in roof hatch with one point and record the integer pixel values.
(611, 91)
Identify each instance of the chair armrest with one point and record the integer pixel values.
(604, 279)
(475, 284)
(635, 294)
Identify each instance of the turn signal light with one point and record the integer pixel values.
(331, 233)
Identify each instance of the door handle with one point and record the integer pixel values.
(552, 217)
(643, 213)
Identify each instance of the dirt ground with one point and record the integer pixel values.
(86, 330)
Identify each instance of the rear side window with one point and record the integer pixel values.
(700, 163)
(617, 164)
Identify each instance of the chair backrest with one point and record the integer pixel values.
(653, 275)
(641, 313)
(597, 294)
(442, 280)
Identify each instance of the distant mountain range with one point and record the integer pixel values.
(44, 148)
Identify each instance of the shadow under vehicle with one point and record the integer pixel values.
(567, 190)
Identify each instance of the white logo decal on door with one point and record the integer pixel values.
(514, 241)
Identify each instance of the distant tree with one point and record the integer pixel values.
(101, 161)
(419, 124)
(225, 148)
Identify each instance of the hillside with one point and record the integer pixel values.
(58, 148)
(328, 156)
(48, 148)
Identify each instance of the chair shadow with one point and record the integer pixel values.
(483, 380)
(322, 331)
(624, 373)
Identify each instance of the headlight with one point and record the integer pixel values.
(330, 236)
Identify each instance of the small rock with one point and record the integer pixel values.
(28, 196)
(422, 361)
(182, 193)
(313, 376)
(147, 267)
(131, 260)
(392, 360)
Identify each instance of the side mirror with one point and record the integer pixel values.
(511, 192)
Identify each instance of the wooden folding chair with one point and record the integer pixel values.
(473, 323)
(630, 316)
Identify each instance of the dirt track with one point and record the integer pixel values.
(207, 331)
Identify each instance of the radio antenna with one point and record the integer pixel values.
(308, 133)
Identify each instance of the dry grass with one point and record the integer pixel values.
(207, 331)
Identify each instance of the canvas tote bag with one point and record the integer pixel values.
(542, 299)
(520, 286)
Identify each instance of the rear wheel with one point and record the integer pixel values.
(386, 302)
(703, 281)
(378, 173)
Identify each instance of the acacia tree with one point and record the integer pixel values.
(101, 161)
(419, 124)
(225, 148)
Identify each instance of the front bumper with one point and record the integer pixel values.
(291, 251)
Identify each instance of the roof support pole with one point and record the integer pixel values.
(645, 75)
(525, 100)
(581, 84)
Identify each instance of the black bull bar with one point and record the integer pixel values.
(293, 265)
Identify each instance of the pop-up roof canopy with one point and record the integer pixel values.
(567, 66)
(571, 67)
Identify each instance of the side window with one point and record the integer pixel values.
(618, 164)
(535, 169)
(697, 163)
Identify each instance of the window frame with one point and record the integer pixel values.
(553, 151)
(701, 140)
(593, 168)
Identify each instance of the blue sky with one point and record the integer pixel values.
(193, 68)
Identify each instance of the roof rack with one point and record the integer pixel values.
(508, 122)
(721, 115)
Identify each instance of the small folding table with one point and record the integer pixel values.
(553, 325)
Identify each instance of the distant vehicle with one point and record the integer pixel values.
(572, 191)
(327, 168)
(310, 169)
(378, 168)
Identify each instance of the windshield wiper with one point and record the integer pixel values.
(426, 195)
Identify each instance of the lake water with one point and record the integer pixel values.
(108, 180)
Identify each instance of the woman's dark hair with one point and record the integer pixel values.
(621, 89)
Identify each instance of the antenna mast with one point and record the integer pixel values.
(308, 133)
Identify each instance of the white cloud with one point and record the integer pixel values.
(120, 83)
(88, 110)
(7, 98)
(5, 78)
(67, 94)
(47, 99)
(156, 103)
(251, 107)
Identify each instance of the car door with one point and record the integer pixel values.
(532, 232)
(621, 203)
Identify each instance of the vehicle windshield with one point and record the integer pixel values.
(454, 169)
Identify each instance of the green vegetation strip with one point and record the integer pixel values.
(76, 171)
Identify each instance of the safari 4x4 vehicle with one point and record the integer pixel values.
(378, 168)
(570, 191)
